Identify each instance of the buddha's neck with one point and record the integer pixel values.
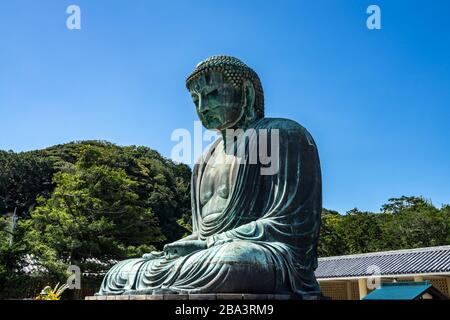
(236, 131)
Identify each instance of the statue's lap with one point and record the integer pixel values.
(232, 264)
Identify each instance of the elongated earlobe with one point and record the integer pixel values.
(249, 96)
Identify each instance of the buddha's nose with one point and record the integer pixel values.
(203, 105)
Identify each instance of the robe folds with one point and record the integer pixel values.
(264, 241)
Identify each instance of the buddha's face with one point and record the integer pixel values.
(218, 103)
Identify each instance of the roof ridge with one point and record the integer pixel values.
(383, 253)
(406, 283)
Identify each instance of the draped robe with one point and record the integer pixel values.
(264, 241)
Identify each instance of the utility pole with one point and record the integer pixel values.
(14, 219)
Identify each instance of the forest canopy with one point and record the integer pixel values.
(88, 200)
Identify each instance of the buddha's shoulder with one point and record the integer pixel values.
(288, 126)
(281, 123)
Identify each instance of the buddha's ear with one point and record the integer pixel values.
(249, 95)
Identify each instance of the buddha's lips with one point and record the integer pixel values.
(210, 118)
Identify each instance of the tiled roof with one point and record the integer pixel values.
(412, 261)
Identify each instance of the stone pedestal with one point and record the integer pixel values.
(197, 297)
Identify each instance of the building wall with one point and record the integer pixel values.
(348, 289)
(336, 290)
(442, 284)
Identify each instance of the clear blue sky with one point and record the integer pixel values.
(376, 102)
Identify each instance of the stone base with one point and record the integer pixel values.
(213, 296)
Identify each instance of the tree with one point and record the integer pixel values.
(416, 224)
(23, 177)
(361, 231)
(13, 259)
(397, 205)
(331, 241)
(404, 223)
(95, 211)
(82, 200)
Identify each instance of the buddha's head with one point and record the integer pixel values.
(226, 93)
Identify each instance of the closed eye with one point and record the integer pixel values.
(213, 92)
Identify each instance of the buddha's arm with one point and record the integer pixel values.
(190, 242)
(259, 230)
(193, 236)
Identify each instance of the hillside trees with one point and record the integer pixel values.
(94, 200)
(403, 223)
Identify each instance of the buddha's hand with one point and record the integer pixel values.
(182, 248)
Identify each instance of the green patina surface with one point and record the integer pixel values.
(252, 232)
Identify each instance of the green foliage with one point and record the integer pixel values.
(13, 248)
(331, 240)
(419, 224)
(404, 223)
(113, 203)
(23, 177)
(398, 205)
(86, 200)
(49, 293)
(93, 212)
(14, 282)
